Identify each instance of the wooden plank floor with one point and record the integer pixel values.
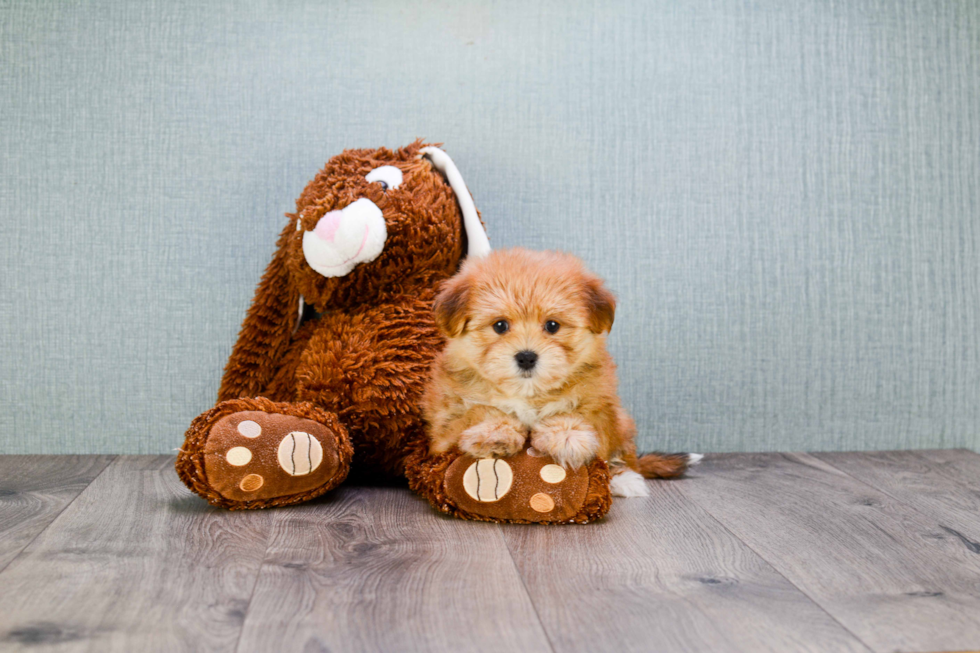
(752, 552)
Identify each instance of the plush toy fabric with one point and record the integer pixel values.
(527, 488)
(330, 365)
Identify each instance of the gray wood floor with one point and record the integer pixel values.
(751, 552)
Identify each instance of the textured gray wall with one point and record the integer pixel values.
(783, 194)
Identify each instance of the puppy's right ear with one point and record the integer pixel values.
(451, 306)
(266, 331)
(601, 304)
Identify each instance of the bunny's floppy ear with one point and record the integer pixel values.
(478, 244)
(266, 331)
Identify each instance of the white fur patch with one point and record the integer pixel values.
(491, 438)
(359, 238)
(628, 483)
(522, 409)
(694, 459)
(569, 440)
(517, 407)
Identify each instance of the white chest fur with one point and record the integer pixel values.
(527, 412)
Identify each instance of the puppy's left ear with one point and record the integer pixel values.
(451, 305)
(601, 305)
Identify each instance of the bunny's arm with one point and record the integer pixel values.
(266, 331)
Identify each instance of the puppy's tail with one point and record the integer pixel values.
(666, 465)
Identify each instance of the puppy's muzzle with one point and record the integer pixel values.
(526, 360)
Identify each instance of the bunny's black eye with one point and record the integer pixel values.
(387, 176)
(501, 326)
(551, 326)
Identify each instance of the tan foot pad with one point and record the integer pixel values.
(253, 455)
(528, 486)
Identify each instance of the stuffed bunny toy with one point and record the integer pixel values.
(331, 361)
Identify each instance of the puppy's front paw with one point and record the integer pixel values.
(567, 439)
(492, 438)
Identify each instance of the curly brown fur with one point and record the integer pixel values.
(423, 247)
(364, 359)
(368, 355)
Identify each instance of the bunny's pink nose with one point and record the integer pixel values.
(326, 227)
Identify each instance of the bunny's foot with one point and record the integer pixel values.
(256, 453)
(527, 487)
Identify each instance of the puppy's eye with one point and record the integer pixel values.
(551, 326)
(389, 177)
(501, 326)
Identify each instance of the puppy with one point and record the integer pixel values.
(526, 359)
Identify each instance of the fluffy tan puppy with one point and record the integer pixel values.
(526, 359)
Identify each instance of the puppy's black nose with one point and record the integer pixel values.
(526, 359)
